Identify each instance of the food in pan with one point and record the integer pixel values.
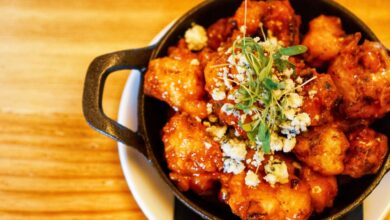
(269, 119)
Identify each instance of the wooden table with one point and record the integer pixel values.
(52, 164)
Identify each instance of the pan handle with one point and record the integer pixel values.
(98, 71)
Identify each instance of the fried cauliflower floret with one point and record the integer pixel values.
(265, 202)
(254, 13)
(277, 17)
(320, 99)
(362, 76)
(179, 83)
(323, 189)
(282, 22)
(323, 40)
(181, 51)
(283, 201)
(217, 89)
(193, 157)
(366, 153)
(323, 149)
(220, 31)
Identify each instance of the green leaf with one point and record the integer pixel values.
(266, 70)
(283, 64)
(271, 85)
(241, 106)
(246, 127)
(266, 97)
(293, 50)
(264, 136)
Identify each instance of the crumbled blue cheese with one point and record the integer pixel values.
(289, 144)
(276, 142)
(293, 100)
(196, 37)
(289, 85)
(289, 113)
(233, 166)
(271, 44)
(228, 108)
(299, 124)
(257, 158)
(301, 121)
(276, 171)
(288, 72)
(217, 131)
(234, 148)
(218, 94)
(251, 179)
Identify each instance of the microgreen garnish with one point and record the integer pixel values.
(255, 95)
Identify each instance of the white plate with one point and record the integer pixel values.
(151, 192)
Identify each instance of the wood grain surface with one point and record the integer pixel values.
(52, 164)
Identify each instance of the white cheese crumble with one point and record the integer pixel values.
(312, 93)
(228, 108)
(289, 144)
(288, 72)
(258, 157)
(218, 95)
(217, 131)
(235, 149)
(276, 171)
(299, 124)
(289, 113)
(209, 108)
(207, 145)
(251, 179)
(293, 100)
(196, 37)
(276, 142)
(195, 62)
(301, 121)
(271, 44)
(233, 166)
(299, 80)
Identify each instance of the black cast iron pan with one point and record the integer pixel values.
(153, 114)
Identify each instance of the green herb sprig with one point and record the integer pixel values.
(256, 91)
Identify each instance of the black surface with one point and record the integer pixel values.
(182, 212)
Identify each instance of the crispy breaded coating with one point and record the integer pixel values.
(362, 76)
(282, 22)
(366, 153)
(323, 40)
(179, 83)
(215, 81)
(220, 31)
(323, 149)
(277, 17)
(323, 189)
(181, 51)
(283, 201)
(254, 14)
(193, 157)
(320, 99)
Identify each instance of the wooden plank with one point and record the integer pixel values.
(52, 164)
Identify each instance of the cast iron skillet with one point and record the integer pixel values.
(153, 114)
